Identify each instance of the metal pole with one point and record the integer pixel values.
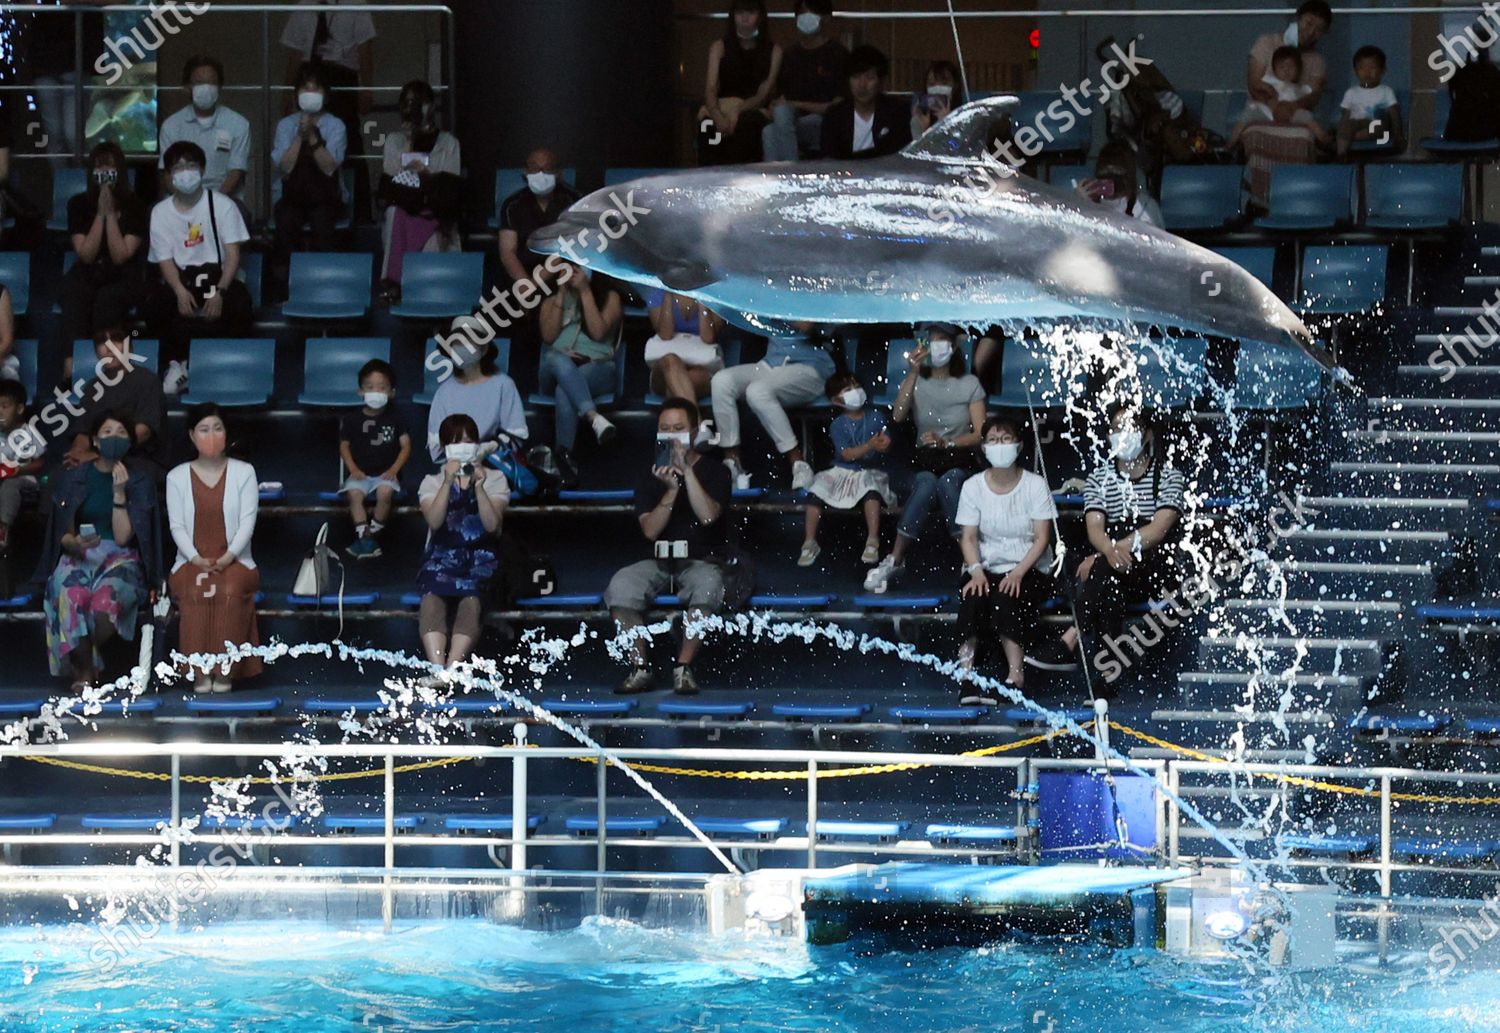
(387, 905)
(600, 853)
(812, 814)
(518, 801)
(1101, 731)
(1174, 814)
(1022, 770)
(1385, 864)
(176, 809)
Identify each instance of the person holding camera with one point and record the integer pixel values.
(1116, 185)
(682, 506)
(107, 224)
(308, 152)
(463, 504)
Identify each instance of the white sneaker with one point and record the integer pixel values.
(872, 551)
(707, 437)
(802, 475)
(809, 554)
(879, 578)
(737, 474)
(174, 382)
(603, 429)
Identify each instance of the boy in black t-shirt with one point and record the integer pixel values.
(374, 448)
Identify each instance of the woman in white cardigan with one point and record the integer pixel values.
(212, 503)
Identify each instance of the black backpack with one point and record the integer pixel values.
(1475, 112)
(524, 573)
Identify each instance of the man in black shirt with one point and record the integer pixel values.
(868, 123)
(812, 79)
(135, 393)
(544, 197)
(683, 507)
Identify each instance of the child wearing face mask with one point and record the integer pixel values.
(1007, 515)
(375, 447)
(861, 440)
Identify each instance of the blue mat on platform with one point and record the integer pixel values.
(985, 886)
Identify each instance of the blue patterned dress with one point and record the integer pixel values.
(461, 556)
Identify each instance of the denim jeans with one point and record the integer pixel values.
(573, 388)
(790, 135)
(925, 487)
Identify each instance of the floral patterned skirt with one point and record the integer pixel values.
(108, 583)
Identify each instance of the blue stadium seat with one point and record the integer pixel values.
(589, 825)
(1275, 379)
(1026, 377)
(26, 706)
(1342, 279)
(773, 601)
(26, 357)
(330, 705)
(212, 822)
(251, 274)
(360, 599)
(1023, 716)
(940, 833)
(27, 822)
(124, 822)
(1444, 849)
(1483, 726)
(1309, 197)
(488, 705)
(896, 366)
(84, 359)
(749, 828)
(1408, 723)
(1442, 106)
(695, 708)
(820, 711)
(1259, 262)
(66, 183)
(614, 177)
(1172, 371)
(440, 284)
(490, 822)
(900, 602)
(590, 707)
(938, 715)
(328, 285)
(331, 365)
(576, 601)
(508, 181)
(117, 707)
(1413, 196)
(1327, 845)
(871, 830)
(371, 822)
(1201, 197)
(232, 371)
(1067, 177)
(236, 705)
(15, 275)
(1075, 140)
(433, 369)
(596, 496)
(543, 401)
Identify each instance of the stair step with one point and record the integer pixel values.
(1272, 717)
(1304, 691)
(1328, 617)
(1442, 446)
(1385, 513)
(1417, 478)
(1277, 654)
(1350, 545)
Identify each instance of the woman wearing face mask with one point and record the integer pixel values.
(812, 80)
(308, 153)
(106, 225)
(102, 553)
(861, 440)
(580, 325)
(743, 67)
(943, 94)
(476, 388)
(947, 406)
(212, 504)
(1132, 508)
(1116, 185)
(419, 186)
(1006, 514)
(463, 504)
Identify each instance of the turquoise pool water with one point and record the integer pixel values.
(609, 975)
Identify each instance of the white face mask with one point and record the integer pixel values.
(461, 451)
(809, 23)
(941, 90)
(680, 437)
(541, 182)
(376, 399)
(310, 101)
(1002, 454)
(205, 96)
(187, 181)
(752, 34)
(940, 352)
(1126, 444)
(854, 398)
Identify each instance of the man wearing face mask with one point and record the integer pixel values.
(307, 153)
(107, 224)
(222, 134)
(812, 78)
(682, 505)
(544, 197)
(1133, 505)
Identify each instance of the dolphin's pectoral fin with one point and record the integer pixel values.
(687, 276)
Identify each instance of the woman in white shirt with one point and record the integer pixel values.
(1116, 185)
(212, 503)
(1006, 514)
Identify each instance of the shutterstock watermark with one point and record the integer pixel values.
(162, 20)
(27, 442)
(1453, 52)
(1449, 954)
(524, 295)
(1446, 358)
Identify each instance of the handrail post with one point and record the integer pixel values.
(600, 839)
(518, 801)
(1385, 865)
(812, 814)
(387, 904)
(1022, 847)
(1174, 814)
(176, 809)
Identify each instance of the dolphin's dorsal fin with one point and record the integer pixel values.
(967, 134)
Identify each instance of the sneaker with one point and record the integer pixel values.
(603, 429)
(1053, 656)
(872, 552)
(364, 548)
(683, 682)
(222, 684)
(809, 554)
(880, 577)
(174, 382)
(802, 475)
(638, 680)
(707, 437)
(973, 697)
(203, 683)
(738, 477)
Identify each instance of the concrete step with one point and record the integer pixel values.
(1398, 582)
(1419, 410)
(1431, 446)
(1307, 655)
(1351, 545)
(1384, 513)
(1421, 480)
(1223, 689)
(1274, 718)
(1465, 346)
(1322, 617)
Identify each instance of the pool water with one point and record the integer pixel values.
(613, 975)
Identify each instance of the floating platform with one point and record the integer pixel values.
(927, 901)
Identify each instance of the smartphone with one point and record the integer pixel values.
(86, 531)
(663, 454)
(1099, 189)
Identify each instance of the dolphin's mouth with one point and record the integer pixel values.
(622, 257)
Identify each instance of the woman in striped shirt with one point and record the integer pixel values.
(1132, 507)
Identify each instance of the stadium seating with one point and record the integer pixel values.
(26, 357)
(329, 286)
(614, 177)
(509, 180)
(66, 183)
(1259, 262)
(1341, 279)
(440, 285)
(84, 358)
(233, 372)
(330, 369)
(1413, 197)
(1309, 197)
(1073, 140)
(1201, 197)
(15, 276)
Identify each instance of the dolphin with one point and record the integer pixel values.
(940, 231)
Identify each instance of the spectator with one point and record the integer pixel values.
(1269, 146)
(743, 67)
(681, 505)
(133, 392)
(683, 353)
(477, 389)
(107, 224)
(947, 406)
(221, 135)
(580, 324)
(544, 197)
(212, 504)
(374, 447)
(196, 235)
(1006, 514)
(1370, 108)
(1285, 78)
(21, 451)
(1116, 184)
(867, 123)
(792, 373)
(861, 440)
(420, 186)
(1132, 507)
(463, 504)
(102, 556)
(308, 153)
(942, 94)
(812, 78)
